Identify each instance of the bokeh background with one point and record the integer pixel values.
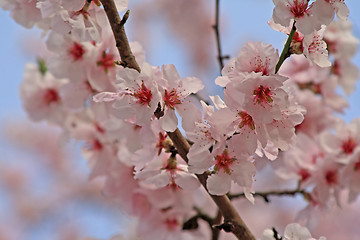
(35, 172)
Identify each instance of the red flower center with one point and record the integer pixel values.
(76, 51)
(171, 224)
(348, 146)
(51, 96)
(143, 94)
(298, 8)
(106, 61)
(261, 66)
(336, 68)
(331, 177)
(246, 120)
(99, 128)
(96, 145)
(224, 162)
(304, 174)
(262, 95)
(171, 98)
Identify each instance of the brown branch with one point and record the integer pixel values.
(220, 57)
(231, 217)
(192, 223)
(266, 195)
(216, 231)
(122, 43)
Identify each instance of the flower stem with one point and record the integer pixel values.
(285, 53)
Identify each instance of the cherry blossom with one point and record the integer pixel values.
(174, 90)
(228, 167)
(351, 175)
(125, 119)
(342, 45)
(137, 94)
(300, 164)
(317, 117)
(315, 48)
(338, 6)
(257, 57)
(70, 63)
(40, 93)
(345, 142)
(307, 17)
(253, 57)
(166, 172)
(311, 45)
(318, 80)
(24, 12)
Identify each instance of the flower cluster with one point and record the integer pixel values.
(124, 117)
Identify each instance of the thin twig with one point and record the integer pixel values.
(266, 195)
(125, 18)
(216, 231)
(220, 57)
(193, 224)
(285, 53)
(231, 216)
(122, 43)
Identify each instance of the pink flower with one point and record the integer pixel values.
(137, 94)
(351, 175)
(253, 57)
(257, 57)
(317, 118)
(307, 17)
(68, 16)
(342, 44)
(327, 180)
(174, 91)
(205, 132)
(69, 63)
(263, 96)
(168, 172)
(338, 6)
(23, 12)
(40, 93)
(299, 162)
(166, 225)
(318, 80)
(311, 45)
(315, 48)
(344, 143)
(100, 66)
(229, 167)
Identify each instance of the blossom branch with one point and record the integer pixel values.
(220, 57)
(266, 195)
(216, 231)
(286, 51)
(122, 43)
(192, 223)
(231, 218)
